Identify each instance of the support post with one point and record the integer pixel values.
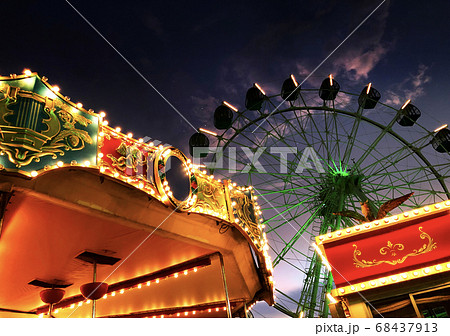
(50, 308)
(94, 280)
(227, 298)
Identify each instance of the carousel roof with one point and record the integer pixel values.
(73, 191)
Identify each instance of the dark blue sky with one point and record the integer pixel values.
(199, 53)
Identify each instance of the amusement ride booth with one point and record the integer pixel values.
(396, 266)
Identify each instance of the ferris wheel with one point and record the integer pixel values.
(323, 159)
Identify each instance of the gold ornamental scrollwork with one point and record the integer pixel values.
(244, 211)
(131, 157)
(26, 143)
(8, 97)
(392, 250)
(210, 196)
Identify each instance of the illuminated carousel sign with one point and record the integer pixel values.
(42, 130)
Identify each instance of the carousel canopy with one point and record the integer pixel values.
(82, 202)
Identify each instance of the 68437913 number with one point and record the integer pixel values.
(409, 327)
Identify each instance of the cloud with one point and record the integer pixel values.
(357, 63)
(268, 62)
(421, 78)
(366, 47)
(359, 54)
(412, 87)
(154, 25)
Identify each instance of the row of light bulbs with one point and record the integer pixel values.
(186, 313)
(60, 164)
(54, 88)
(386, 221)
(395, 278)
(123, 290)
(262, 244)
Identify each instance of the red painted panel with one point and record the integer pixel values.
(390, 250)
(125, 155)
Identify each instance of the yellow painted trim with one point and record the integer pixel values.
(392, 279)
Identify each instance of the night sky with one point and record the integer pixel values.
(199, 53)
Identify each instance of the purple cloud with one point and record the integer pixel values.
(412, 87)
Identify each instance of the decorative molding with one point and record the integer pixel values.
(393, 249)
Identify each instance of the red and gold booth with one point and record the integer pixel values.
(398, 266)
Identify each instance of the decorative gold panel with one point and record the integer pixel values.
(392, 250)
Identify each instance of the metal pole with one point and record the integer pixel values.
(50, 308)
(416, 309)
(94, 280)
(225, 285)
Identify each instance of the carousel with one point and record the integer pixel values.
(95, 223)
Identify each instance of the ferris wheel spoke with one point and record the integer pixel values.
(323, 142)
(320, 144)
(292, 300)
(280, 200)
(265, 192)
(397, 155)
(305, 143)
(414, 174)
(285, 211)
(324, 152)
(402, 179)
(336, 141)
(419, 187)
(338, 125)
(374, 144)
(283, 221)
(396, 176)
(384, 132)
(294, 239)
(346, 222)
(400, 174)
(296, 255)
(419, 191)
(352, 137)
